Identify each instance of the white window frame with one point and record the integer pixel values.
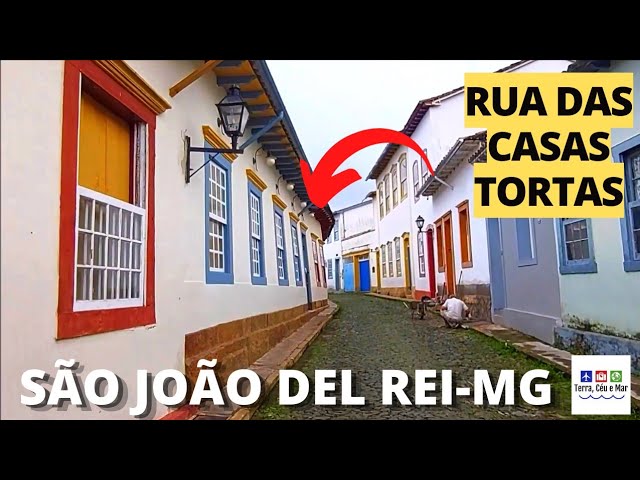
(421, 260)
(390, 259)
(101, 304)
(381, 198)
(215, 218)
(330, 269)
(394, 184)
(280, 254)
(254, 226)
(296, 254)
(383, 249)
(398, 258)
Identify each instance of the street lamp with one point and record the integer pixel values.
(234, 116)
(420, 223)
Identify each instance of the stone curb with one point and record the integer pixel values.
(290, 354)
(561, 359)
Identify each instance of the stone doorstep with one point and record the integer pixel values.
(285, 354)
(541, 351)
(390, 297)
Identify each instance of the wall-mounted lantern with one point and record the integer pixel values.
(233, 118)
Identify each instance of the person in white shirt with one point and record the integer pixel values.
(454, 312)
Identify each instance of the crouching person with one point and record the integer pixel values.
(455, 312)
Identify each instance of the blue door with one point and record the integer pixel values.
(365, 276)
(496, 266)
(347, 276)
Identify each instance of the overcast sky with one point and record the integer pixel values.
(330, 99)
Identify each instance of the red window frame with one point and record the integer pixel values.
(76, 324)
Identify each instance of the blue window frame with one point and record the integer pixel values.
(297, 270)
(281, 246)
(218, 231)
(526, 242)
(575, 246)
(629, 153)
(256, 236)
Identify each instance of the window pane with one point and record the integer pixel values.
(86, 209)
(126, 224)
(124, 254)
(124, 284)
(98, 284)
(135, 285)
(637, 189)
(635, 165)
(635, 218)
(112, 253)
(112, 277)
(136, 256)
(137, 226)
(82, 284)
(100, 220)
(114, 221)
(584, 249)
(84, 248)
(635, 226)
(523, 237)
(99, 249)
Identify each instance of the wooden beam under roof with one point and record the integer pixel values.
(193, 76)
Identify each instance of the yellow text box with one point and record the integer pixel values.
(613, 89)
(528, 172)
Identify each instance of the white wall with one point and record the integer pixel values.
(396, 221)
(609, 297)
(356, 225)
(31, 131)
(357, 219)
(333, 250)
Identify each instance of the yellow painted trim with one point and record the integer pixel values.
(129, 79)
(192, 77)
(358, 252)
(215, 140)
(314, 236)
(320, 242)
(303, 226)
(278, 201)
(405, 235)
(256, 180)
(294, 217)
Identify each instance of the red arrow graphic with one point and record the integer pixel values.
(323, 184)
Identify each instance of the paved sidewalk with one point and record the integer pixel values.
(541, 351)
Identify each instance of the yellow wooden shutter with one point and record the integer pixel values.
(104, 150)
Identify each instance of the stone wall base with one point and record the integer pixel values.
(239, 343)
(478, 298)
(393, 291)
(593, 343)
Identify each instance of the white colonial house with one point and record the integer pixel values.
(116, 255)
(348, 250)
(449, 254)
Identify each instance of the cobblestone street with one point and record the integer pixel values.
(370, 334)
